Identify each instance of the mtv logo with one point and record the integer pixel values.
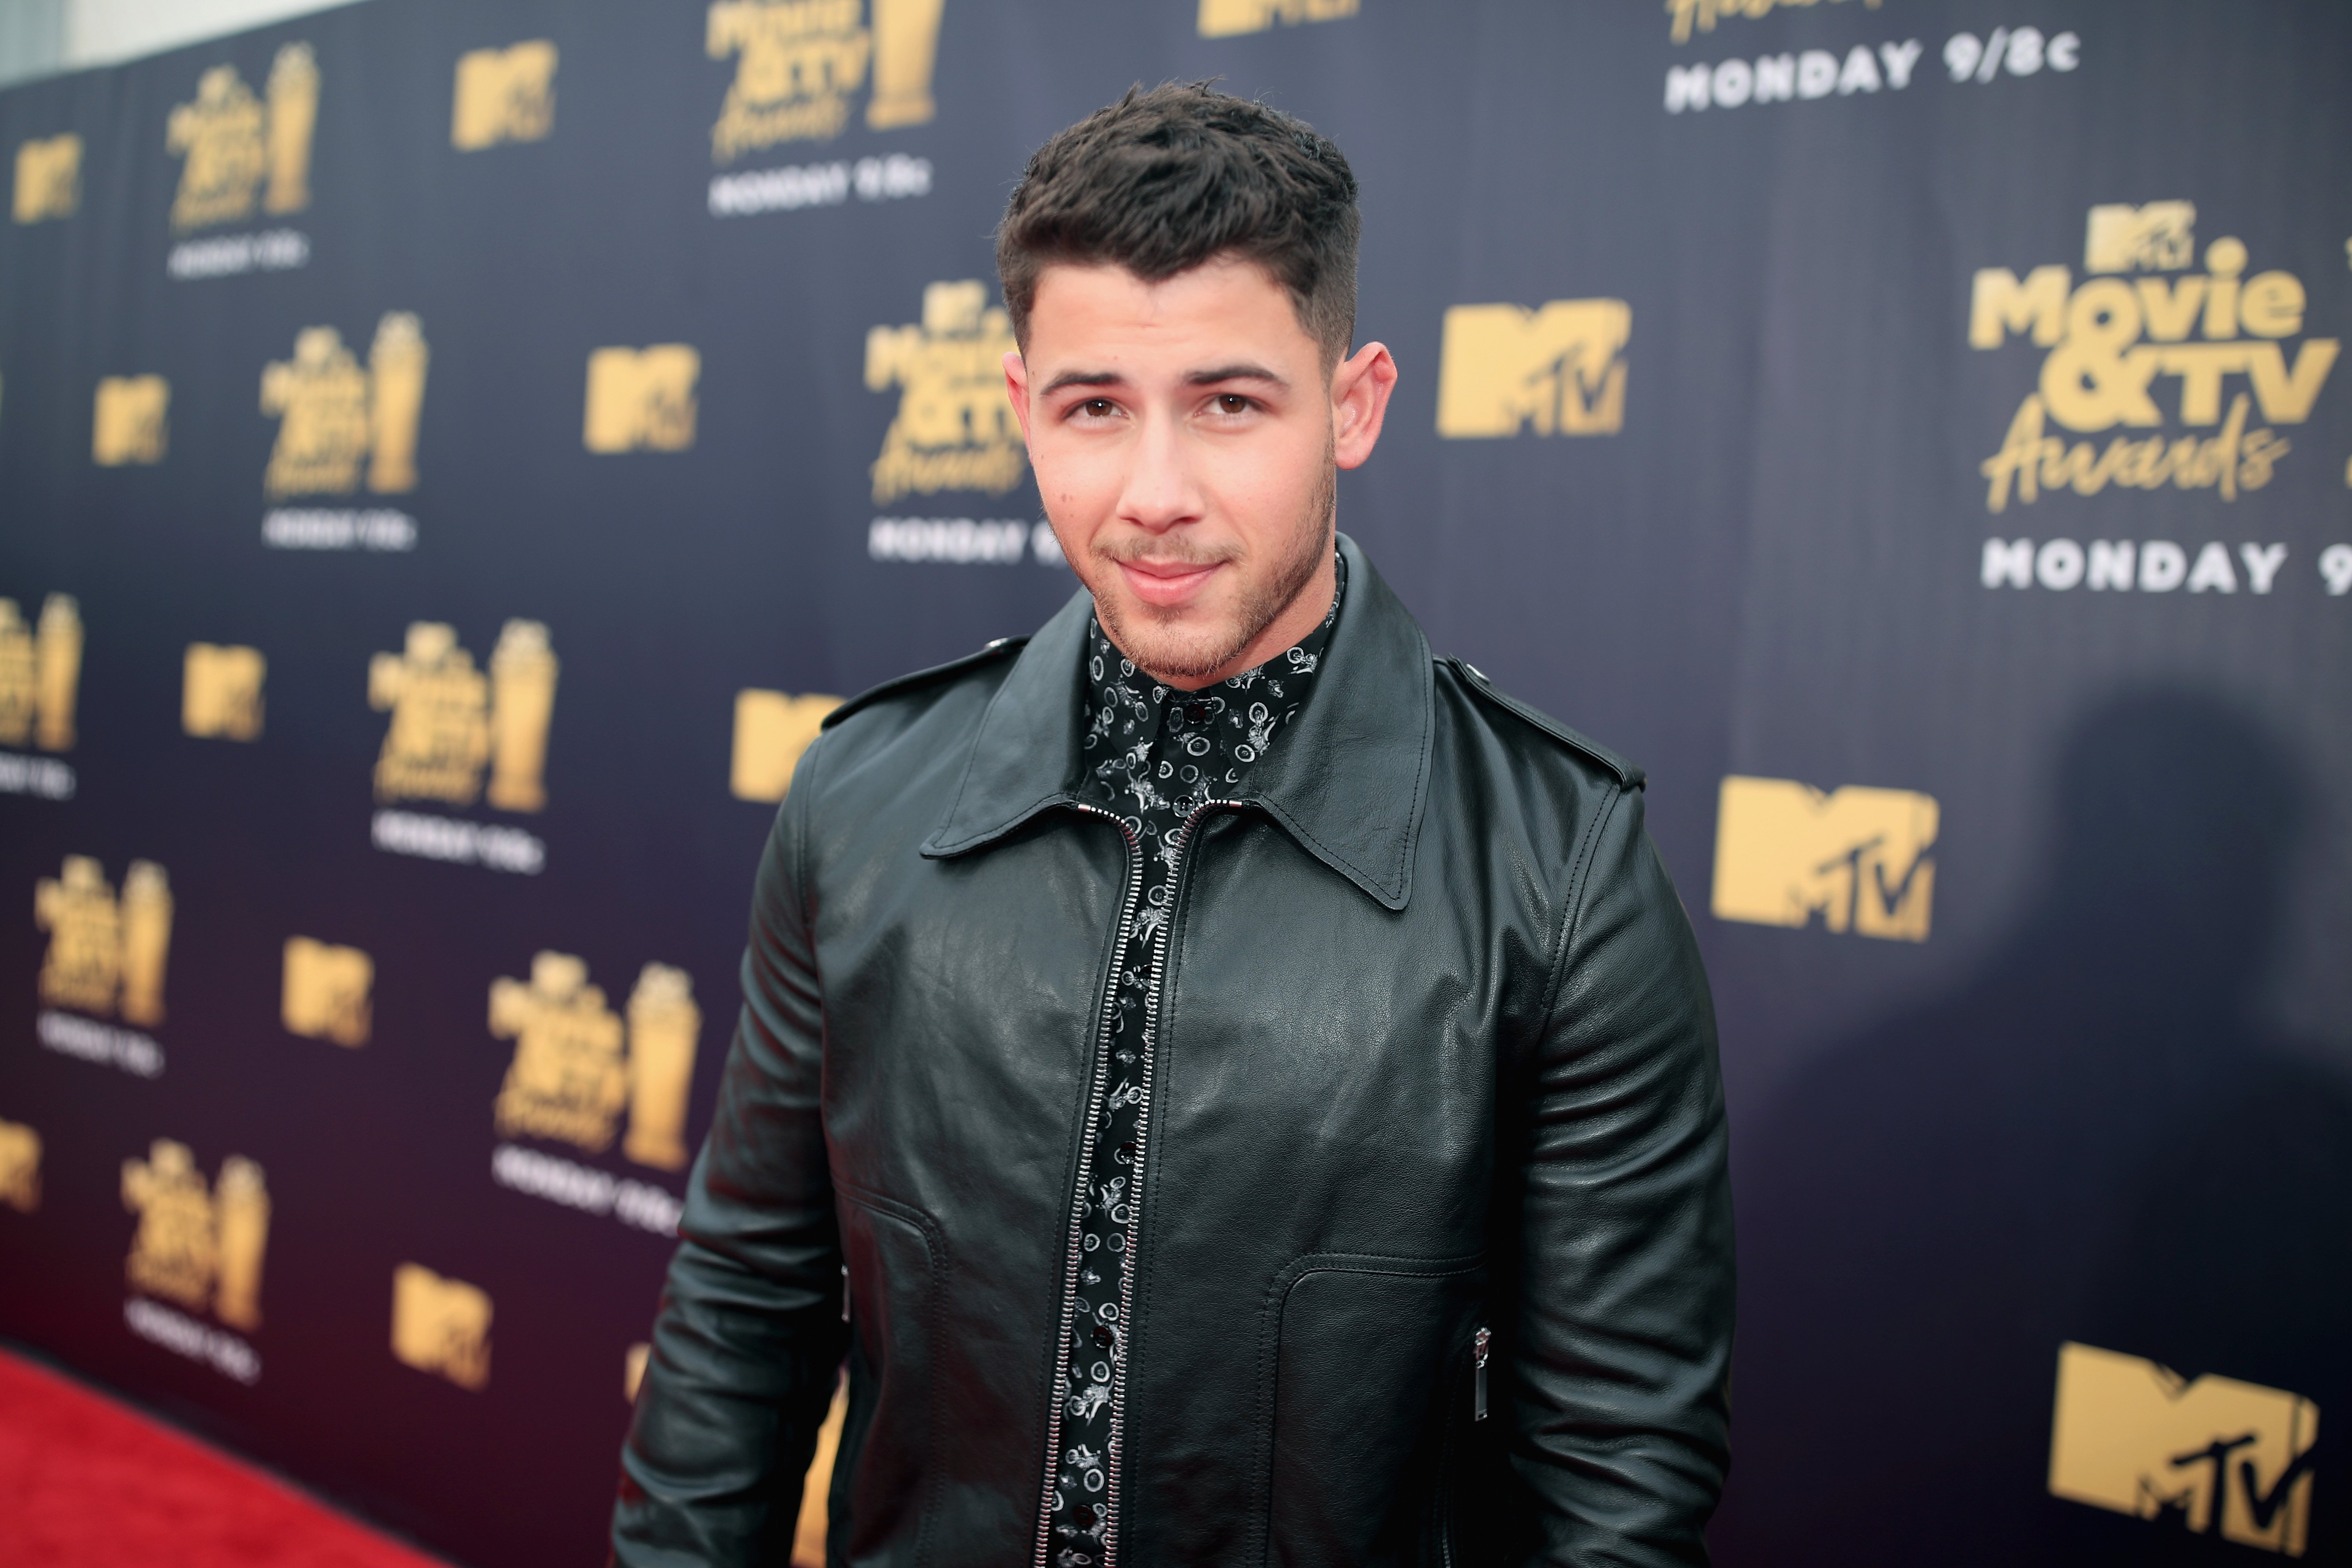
(220, 692)
(335, 417)
(1561, 369)
(128, 424)
(504, 95)
(2158, 238)
(1226, 18)
(325, 995)
(1861, 859)
(20, 1167)
(772, 730)
(955, 429)
(2220, 1457)
(48, 178)
(642, 399)
(441, 1326)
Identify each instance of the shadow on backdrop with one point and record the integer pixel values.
(2093, 1139)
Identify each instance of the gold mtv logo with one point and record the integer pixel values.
(570, 1078)
(441, 1326)
(2158, 238)
(40, 673)
(955, 429)
(1859, 858)
(220, 691)
(48, 178)
(642, 399)
(335, 416)
(195, 1245)
(449, 720)
(772, 730)
(1225, 18)
(1561, 369)
(128, 423)
(102, 948)
(20, 1167)
(233, 142)
(504, 95)
(325, 993)
(2222, 1456)
(798, 61)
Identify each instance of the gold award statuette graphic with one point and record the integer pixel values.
(40, 673)
(955, 429)
(641, 399)
(2220, 1457)
(233, 142)
(325, 997)
(2124, 345)
(449, 719)
(48, 178)
(504, 95)
(198, 1244)
(102, 950)
(1226, 18)
(334, 418)
(798, 61)
(20, 1167)
(570, 1076)
(220, 691)
(1561, 369)
(772, 730)
(1859, 858)
(130, 422)
(441, 1326)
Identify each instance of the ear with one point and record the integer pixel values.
(1016, 387)
(1359, 403)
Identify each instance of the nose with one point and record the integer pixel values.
(1159, 492)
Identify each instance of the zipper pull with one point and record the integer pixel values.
(1478, 1363)
(845, 1296)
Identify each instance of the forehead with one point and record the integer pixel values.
(1225, 305)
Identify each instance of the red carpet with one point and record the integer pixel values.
(87, 1483)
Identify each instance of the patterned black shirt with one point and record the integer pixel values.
(1154, 757)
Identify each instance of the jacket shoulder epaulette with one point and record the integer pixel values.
(1002, 647)
(1627, 775)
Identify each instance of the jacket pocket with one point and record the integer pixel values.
(883, 1485)
(1369, 1362)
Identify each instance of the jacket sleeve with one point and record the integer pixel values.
(1623, 1349)
(748, 1336)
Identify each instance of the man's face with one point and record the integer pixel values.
(1185, 438)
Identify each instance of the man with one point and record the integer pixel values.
(1253, 1083)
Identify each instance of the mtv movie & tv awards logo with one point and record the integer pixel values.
(239, 151)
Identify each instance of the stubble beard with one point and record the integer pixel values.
(1162, 648)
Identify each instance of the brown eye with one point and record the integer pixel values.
(1232, 402)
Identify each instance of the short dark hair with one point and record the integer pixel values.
(1164, 180)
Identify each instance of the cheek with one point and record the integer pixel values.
(1262, 487)
(1080, 480)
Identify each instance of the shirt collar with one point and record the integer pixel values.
(1374, 707)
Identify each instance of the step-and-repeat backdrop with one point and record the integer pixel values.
(453, 452)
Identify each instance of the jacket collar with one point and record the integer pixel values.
(1349, 783)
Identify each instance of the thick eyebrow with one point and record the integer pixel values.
(1211, 377)
(1082, 378)
(1233, 373)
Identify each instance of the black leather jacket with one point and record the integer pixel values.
(1435, 1055)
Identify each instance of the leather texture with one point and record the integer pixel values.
(1472, 1083)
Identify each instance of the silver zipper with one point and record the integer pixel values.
(1114, 1448)
(1086, 1170)
(1478, 1374)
